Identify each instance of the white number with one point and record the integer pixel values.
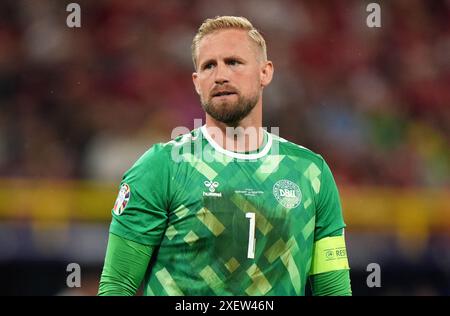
(251, 236)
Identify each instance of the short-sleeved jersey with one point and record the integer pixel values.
(228, 223)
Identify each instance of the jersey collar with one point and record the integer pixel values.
(238, 155)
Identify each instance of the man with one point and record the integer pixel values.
(215, 212)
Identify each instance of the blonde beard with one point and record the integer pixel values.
(231, 113)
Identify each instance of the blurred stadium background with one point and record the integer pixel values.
(79, 106)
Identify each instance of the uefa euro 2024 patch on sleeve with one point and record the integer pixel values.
(122, 199)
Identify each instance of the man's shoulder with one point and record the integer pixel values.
(292, 149)
(163, 151)
(187, 138)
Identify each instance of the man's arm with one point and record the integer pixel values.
(329, 274)
(329, 270)
(335, 283)
(125, 266)
(138, 223)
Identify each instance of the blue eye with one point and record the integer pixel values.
(208, 66)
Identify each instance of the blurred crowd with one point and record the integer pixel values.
(87, 102)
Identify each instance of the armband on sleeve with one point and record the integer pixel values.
(329, 254)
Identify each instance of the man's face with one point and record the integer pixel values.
(230, 75)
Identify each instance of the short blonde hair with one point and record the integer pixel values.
(227, 22)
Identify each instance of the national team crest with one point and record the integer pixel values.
(287, 193)
(122, 199)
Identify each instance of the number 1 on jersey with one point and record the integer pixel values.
(251, 236)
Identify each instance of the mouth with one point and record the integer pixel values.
(223, 94)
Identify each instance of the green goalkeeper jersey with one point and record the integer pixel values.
(227, 223)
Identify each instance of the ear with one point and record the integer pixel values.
(195, 81)
(266, 73)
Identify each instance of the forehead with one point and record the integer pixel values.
(224, 43)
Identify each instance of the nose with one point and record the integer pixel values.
(221, 75)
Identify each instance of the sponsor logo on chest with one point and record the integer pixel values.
(212, 185)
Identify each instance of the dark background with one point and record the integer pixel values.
(79, 105)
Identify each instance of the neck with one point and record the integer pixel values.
(247, 136)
